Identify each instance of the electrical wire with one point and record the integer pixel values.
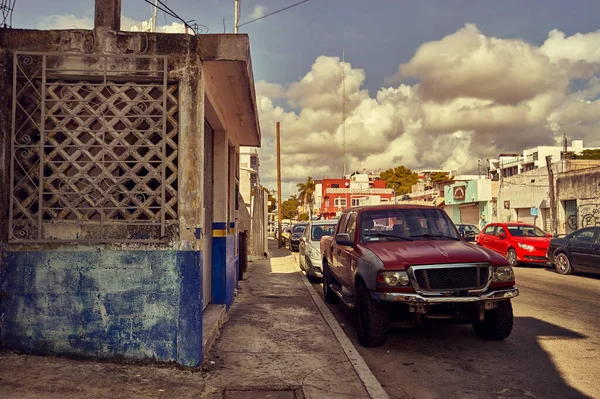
(273, 13)
(172, 14)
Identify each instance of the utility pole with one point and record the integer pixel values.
(554, 224)
(279, 214)
(344, 111)
(236, 16)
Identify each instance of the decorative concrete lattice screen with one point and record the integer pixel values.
(94, 149)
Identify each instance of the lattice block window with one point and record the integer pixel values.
(92, 160)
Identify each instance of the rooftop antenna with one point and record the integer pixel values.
(344, 110)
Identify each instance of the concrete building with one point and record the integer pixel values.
(525, 197)
(468, 201)
(254, 213)
(533, 158)
(354, 190)
(119, 156)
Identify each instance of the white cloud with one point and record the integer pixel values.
(127, 24)
(476, 96)
(259, 11)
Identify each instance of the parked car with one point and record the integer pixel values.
(468, 231)
(578, 251)
(309, 255)
(296, 233)
(285, 235)
(518, 242)
(418, 268)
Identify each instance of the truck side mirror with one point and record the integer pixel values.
(343, 239)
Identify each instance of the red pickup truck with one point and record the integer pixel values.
(408, 262)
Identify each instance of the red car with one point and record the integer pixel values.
(518, 242)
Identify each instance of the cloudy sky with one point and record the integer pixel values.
(429, 84)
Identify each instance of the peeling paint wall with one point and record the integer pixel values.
(138, 304)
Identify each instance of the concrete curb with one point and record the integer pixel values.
(372, 385)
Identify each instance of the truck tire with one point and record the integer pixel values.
(497, 323)
(372, 319)
(328, 294)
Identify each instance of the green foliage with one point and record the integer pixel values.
(306, 191)
(438, 177)
(400, 179)
(289, 207)
(587, 154)
(303, 217)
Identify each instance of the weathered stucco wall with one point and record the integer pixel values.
(94, 303)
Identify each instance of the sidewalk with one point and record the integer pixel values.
(277, 343)
(280, 342)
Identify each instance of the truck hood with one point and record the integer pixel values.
(400, 255)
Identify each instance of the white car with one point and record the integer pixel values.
(309, 253)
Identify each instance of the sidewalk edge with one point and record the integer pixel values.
(370, 382)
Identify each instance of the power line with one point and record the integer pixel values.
(168, 11)
(273, 13)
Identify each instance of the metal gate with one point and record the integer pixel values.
(524, 215)
(93, 149)
(469, 214)
(547, 218)
(209, 134)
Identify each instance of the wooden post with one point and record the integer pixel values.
(554, 224)
(279, 214)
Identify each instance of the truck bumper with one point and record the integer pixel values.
(410, 298)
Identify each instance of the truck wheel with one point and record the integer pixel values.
(563, 264)
(330, 296)
(372, 319)
(497, 323)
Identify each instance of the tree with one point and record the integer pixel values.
(306, 191)
(587, 154)
(438, 177)
(303, 217)
(400, 179)
(289, 207)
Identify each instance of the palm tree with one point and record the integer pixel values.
(306, 190)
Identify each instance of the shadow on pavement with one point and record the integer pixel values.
(595, 276)
(450, 361)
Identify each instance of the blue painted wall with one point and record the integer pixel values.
(103, 304)
(224, 264)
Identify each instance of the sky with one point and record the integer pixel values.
(429, 84)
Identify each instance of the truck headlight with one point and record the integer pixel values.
(525, 246)
(503, 274)
(393, 279)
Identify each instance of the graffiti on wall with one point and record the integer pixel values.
(590, 215)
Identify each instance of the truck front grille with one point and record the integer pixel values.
(452, 278)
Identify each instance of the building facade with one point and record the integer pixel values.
(354, 190)
(469, 201)
(120, 159)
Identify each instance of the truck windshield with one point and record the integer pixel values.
(402, 224)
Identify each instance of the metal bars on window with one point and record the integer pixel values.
(94, 149)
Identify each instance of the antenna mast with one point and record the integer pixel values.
(344, 110)
(154, 15)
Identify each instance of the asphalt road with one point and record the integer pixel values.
(553, 352)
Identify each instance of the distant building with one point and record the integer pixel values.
(353, 190)
(507, 165)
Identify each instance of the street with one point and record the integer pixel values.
(553, 352)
